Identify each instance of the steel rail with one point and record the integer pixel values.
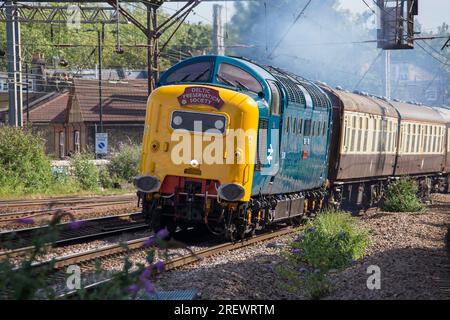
(90, 229)
(61, 200)
(175, 263)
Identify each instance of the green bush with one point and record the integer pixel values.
(125, 163)
(331, 242)
(24, 167)
(401, 196)
(316, 284)
(85, 171)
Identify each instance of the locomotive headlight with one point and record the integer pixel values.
(231, 192)
(147, 184)
(177, 120)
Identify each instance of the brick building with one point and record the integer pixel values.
(70, 120)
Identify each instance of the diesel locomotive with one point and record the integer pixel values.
(236, 146)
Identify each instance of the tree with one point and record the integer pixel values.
(43, 38)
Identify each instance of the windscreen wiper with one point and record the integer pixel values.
(200, 75)
(228, 82)
(185, 77)
(242, 85)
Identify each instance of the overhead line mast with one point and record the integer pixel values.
(28, 11)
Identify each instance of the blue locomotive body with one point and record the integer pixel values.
(294, 126)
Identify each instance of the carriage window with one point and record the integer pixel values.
(276, 100)
(229, 74)
(195, 72)
(318, 128)
(294, 126)
(313, 128)
(287, 124)
(448, 140)
(374, 135)
(352, 141)
(434, 139)
(366, 133)
(300, 126)
(323, 129)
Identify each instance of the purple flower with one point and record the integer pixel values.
(160, 265)
(311, 230)
(25, 220)
(163, 233)
(148, 285)
(75, 225)
(302, 270)
(271, 245)
(145, 274)
(296, 251)
(150, 242)
(133, 288)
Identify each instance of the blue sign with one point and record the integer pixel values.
(101, 143)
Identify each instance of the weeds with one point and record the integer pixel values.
(124, 164)
(401, 196)
(85, 171)
(331, 242)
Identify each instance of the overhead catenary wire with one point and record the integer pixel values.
(368, 6)
(368, 69)
(297, 18)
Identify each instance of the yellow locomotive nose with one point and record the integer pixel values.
(203, 134)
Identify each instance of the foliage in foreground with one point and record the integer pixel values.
(25, 282)
(24, 167)
(401, 196)
(331, 242)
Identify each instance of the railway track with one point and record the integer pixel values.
(89, 259)
(21, 240)
(58, 201)
(10, 211)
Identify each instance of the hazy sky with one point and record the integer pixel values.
(431, 12)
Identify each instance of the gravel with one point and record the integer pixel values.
(408, 248)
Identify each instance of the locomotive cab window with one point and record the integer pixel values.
(276, 98)
(195, 72)
(237, 77)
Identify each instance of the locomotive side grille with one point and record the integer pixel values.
(294, 93)
(317, 96)
(261, 153)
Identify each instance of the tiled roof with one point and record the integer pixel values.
(123, 101)
(53, 110)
